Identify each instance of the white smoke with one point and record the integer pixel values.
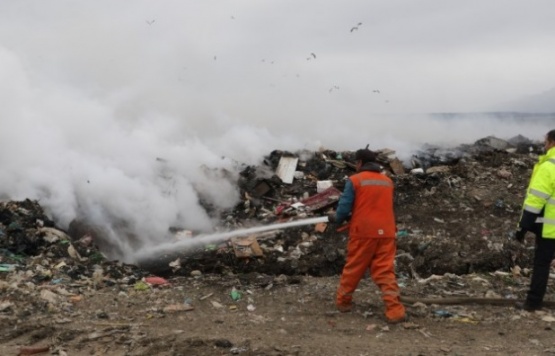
(135, 113)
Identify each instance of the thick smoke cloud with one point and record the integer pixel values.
(134, 114)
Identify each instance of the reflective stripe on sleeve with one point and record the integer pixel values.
(375, 182)
(545, 221)
(532, 209)
(539, 194)
(552, 160)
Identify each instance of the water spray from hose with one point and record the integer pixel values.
(173, 247)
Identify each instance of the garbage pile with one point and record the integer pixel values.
(43, 271)
(455, 208)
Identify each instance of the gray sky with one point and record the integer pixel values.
(423, 56)
(93, 92)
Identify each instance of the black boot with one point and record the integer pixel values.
(529, 307)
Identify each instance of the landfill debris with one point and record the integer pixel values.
(466, 320)
(322, 185)
(454, 222)
(455, 182)
(141, 286)
(33, 350)
(371, 327)
(245, 247)
(443, 313)
(235, 294)
(172, 308)
(6, 267)
(206, 296)
(216, 304)
(156, 281)
(175, 265)
(286, 169)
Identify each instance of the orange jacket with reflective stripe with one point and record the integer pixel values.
(372, 214)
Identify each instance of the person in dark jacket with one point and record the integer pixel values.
(367, 200)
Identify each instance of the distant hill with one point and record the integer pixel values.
(541, 103)
(517, 116)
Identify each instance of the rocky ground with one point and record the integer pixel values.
(458, 268)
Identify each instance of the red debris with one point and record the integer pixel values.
(322, 200)
(156, 281)
(33, 350)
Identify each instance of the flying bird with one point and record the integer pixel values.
(313, 55)
(356, 27)
(376, 91)
(150, 22)
(335, 87)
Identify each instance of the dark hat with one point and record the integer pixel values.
(365, 155)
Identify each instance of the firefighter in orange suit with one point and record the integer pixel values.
(368, 200)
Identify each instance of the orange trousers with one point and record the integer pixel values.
(378, 256)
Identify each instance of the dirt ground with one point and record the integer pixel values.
(279, 316)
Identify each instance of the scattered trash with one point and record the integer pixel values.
(286, 169)
(4, 306)
(206, 296)
(141, 286)
(371, 327)
(410, 326)
(323, 199)
(175, 265)
(320, 227)
(443, 313)
(216, 304)
(246, 247)
(235, 294)
(445, 253)
(52, 235)
(156, 281)
(5, 267)
(402, 233)
(33, 350)
(172, 308)
(322, 185)
(49, 296)
(76, 298)
(465, 320)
